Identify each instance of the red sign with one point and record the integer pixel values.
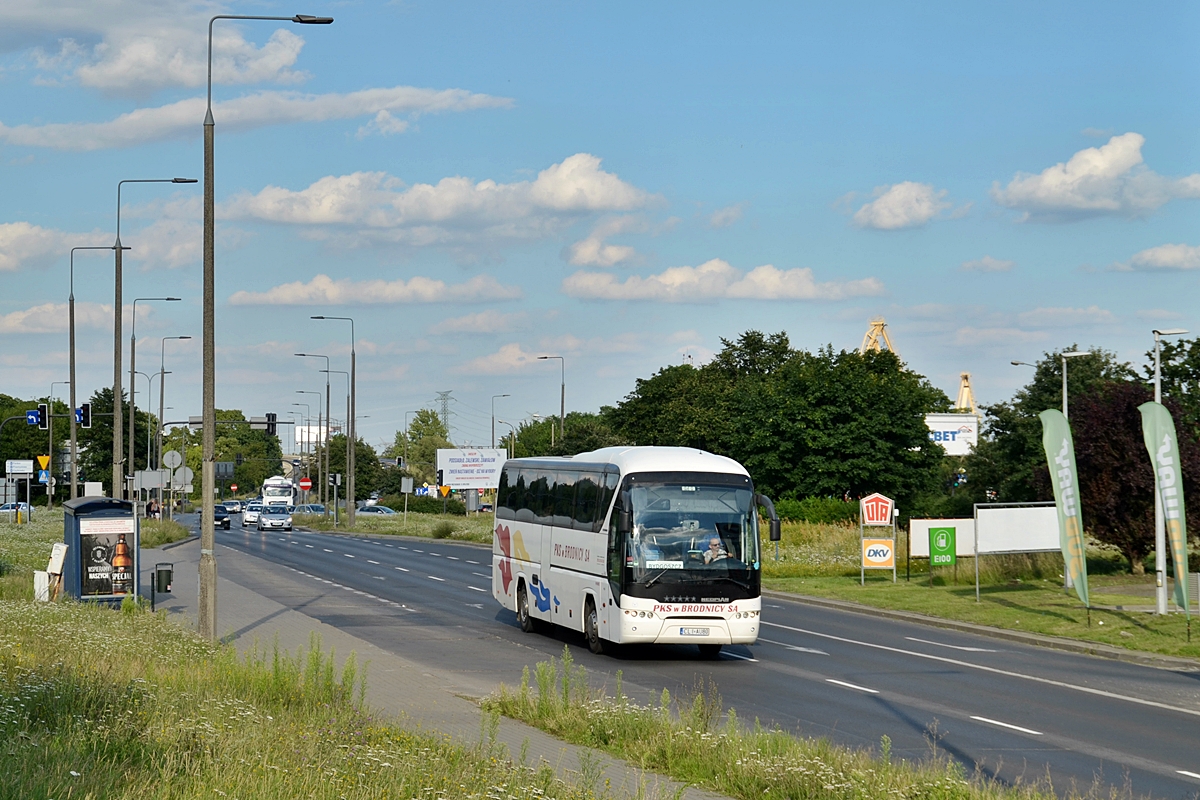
(233, 487)
(875, 509)
(305, 484)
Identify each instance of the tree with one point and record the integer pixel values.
(95, 443)
(426, 435)
(585, 432)
(1180, 370)
(368, 474)
(20, 440)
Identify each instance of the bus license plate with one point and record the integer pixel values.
(693, 631)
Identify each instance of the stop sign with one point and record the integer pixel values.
(233, 487)
(305, 484)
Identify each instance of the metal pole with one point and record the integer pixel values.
(207, 597)
(1160, 532)
(351, 495)
(118, 472)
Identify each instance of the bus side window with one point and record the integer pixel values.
(564, 498)
(504, 496)
(522, 497)
(607, 489)
(541, 492)
(586, 491)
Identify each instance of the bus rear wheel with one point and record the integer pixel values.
(591, 628)
(710, 651)
(528, 624)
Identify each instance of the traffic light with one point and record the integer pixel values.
(85, 415)
(270, 424)
(238, 459)
(43, 416)
(439, 483)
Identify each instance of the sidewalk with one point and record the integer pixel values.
(431, 703)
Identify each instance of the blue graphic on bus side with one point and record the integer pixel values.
(541, 596)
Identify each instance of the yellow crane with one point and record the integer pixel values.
(876, 337)
(966, 397)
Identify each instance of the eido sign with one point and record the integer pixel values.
(877, 511)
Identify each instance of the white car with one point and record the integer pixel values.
(250, 515)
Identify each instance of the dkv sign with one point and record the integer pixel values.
(877, 511)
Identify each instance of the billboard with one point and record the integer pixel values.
(107, 548)
(471, 469)
(956, 433)
(964, 536)
(875, 510)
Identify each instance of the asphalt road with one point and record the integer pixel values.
(1016, 712)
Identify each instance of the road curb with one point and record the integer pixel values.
(1176, 663)
(180, 543)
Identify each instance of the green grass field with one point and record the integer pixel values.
(470, 528)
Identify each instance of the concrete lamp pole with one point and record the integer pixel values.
(151, 432)
(494, 416)
(351, 419)
(1064, 356)
(349, 458)
(133, 371)
(71, 347)
(406, 437)
(207, 616)
(562, 400)
(118, 310)
(1160, 531)
(328, 416)
(162, 380)
(512, 441)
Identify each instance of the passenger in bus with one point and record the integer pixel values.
(716, 551)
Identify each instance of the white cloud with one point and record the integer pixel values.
(508, 359)
(1066, 317)
(139, 46)
(323, 290)
(593, 252)
(454, 210)
(988, 264)
(715, 280)
(384, 124)
(184, 118)
(1096, 181)
(1165, 257)
(724, 217)
(902, 205)
(490, 321)
(1158, 314)
(22, 243)
(970, 336)
(53, 318)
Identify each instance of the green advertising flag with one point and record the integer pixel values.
(1060, 455)
(1158, 430)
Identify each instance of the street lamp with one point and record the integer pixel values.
(351, 417)
(512, 437)
(71, 335)
(328, 414)
(207, 615)
(162, 363)
(1160, 533)
(1064, 355)
(494, 416)
(118, 308)
(150, 431)
(562, 407)
(133, 370)
(349, 449)
(406, 437)
(305, 447)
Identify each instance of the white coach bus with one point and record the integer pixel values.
(278, 491)
(632, 545)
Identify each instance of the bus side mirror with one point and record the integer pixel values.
(776, 533)
(624, 514)
(765, 502)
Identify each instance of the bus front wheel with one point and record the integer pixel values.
(710, 651)
(527, 622)
(592, 628)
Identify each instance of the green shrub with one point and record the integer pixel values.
(423, 505)
(821, 510)
(442, 530)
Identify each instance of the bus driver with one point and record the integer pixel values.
(715, 552)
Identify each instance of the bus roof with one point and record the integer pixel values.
(647, 459)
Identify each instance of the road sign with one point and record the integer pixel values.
(406, 485)
(445, 490)
(43, 476)
(18, 466)
(305, 484)
(942, 548)
(182, 478)
(878, 554)
(233, 487)
(43, 462)
(32, 417)
(172, 459)
(224, 470)
(875, 509)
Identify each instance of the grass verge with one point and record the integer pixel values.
(157, 532)
(1018, 592)
(695, 740)
(471, 528)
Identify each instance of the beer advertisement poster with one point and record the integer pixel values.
(106, 555)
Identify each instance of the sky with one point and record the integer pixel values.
(619, 184)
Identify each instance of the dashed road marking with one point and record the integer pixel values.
(402, 569)
(476, 588)
(742, 657)
(309, 546)
(951, 646)
(794, 647)
(854, 686)
(469, 561)
(326, 549)
(347, 555)
(436, 578)
(1189, 774)
(1007, 725)
(369, 561)
(481, 575)
(438, 555)
(453, 558)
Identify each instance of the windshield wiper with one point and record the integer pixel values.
(652, 581)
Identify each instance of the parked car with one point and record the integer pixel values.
(275, 518)
(220, 516)
(13, 508)
(233, 506)
(310, 508)
(375, 510)
(250, 514)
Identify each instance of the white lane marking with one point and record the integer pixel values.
(1189, 774)
(852, 686)
(369, 561)
(282, 539)
(475, 605)
(377, 577)
(402, 547)
(469, 561)
(797, 648)
(476, 588)
(389, 545)
(742, 657)
(415, 550)
(347, 555)
(1007, 725)
(309, 546)
(402, 569)
(453, 558)
(439, 555)
(326, 549)
(951, 646)
(436, 578)
(993, 670)
(481, 575)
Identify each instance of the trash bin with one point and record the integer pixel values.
(103, 549)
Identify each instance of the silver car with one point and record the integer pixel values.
(277, 518)
(250, 514)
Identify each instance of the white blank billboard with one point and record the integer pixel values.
(964, 536)
(1029, 529)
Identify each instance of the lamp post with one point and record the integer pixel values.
(349, 445)
(512, 442)
(1160, 533)
(162, 364)
(562, 401)
(307, 433)
(323, 434)
(207, 617)
(351, 418)
(494, 416)
(1064, 356)
(118, 309)
(50, 431)
(151, 432)
(406, 437)
(133, 370)
(328, 414)
(71, 336)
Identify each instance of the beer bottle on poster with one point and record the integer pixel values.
(122, 568)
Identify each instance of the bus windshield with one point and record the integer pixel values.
(690, 532)
(277, 491)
